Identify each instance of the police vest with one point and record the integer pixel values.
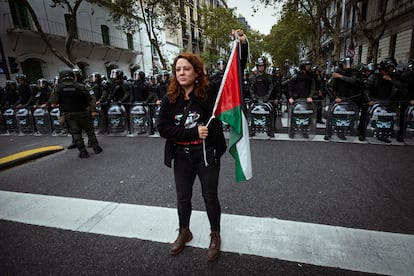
(72, 98)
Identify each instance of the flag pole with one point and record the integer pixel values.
(237, 39)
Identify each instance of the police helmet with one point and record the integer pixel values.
(10, 83)
(371, 67)
(66, 75)
(56, 80)
(271, 70)
(78, 75)
(21, 77)
(164, 73)
(304, 62)
(139, 75)
(345, 63)
(33, 87)
(116, 74)
(410, 65)
(221, 64)
(95, 77)
(261, 62)
(388, 64)
(42, 83)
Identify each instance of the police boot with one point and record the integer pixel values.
(83, 153)
(214, 248)
(96, 148)
(184, 236)
(361, 136)
(72, 145)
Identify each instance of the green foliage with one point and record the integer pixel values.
(217, 24)
(287, 37)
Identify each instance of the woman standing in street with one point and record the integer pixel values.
(195, 147)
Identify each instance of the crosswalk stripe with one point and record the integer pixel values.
(322, 245)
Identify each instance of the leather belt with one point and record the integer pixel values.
(190, 143)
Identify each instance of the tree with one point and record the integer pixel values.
(320, 21)
(216, 23)
(156, 15)
(372, 31)
(289, 37)
(69, 59)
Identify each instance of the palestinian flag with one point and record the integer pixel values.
(228, 109)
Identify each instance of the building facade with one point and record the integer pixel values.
(99, 45)
(397, 39)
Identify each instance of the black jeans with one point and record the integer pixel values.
(188, 163)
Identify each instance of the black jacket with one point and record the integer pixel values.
(200, 112)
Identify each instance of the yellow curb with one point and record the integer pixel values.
(27, 155)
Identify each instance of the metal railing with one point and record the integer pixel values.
(59, 29)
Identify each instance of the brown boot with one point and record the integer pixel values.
(184, 236)
(214, 248)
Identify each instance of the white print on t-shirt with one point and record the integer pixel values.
(191, 120)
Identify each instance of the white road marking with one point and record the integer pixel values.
(323, 245)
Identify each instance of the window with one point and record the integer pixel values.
(364, 11)
(130, 41)
(105, 35)
(412, 46)
(68, 18)
(32, 69)
(393, 42)
(19, 15)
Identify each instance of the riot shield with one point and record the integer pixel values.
(409, 122)
(57, 128)
(98, 122)
(302, 119)
(9, 116)
(117, 120)
(261, 117)
(139, 117)
(342, 119)
(382, 120)
(3, 129)
(42, 121)
(24, 120)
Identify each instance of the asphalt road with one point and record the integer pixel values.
(359, 186)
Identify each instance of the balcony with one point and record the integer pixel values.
(58, 30)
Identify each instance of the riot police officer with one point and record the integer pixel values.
(405, 96)
(76, 108)
(9, 96)
(344, 85)
(43, 93)
(261, 88)
(162, 85)
(261, 84)
(246, 84)
(216, 78)
(119, 89)
(302, 85)
(99, 90)
(382, 85)
(139, 88)
(26, 96)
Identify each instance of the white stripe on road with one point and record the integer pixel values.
(323, 245)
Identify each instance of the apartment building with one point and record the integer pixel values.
(397, 39)
(99, 45)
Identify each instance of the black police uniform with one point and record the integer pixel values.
(74, 103)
